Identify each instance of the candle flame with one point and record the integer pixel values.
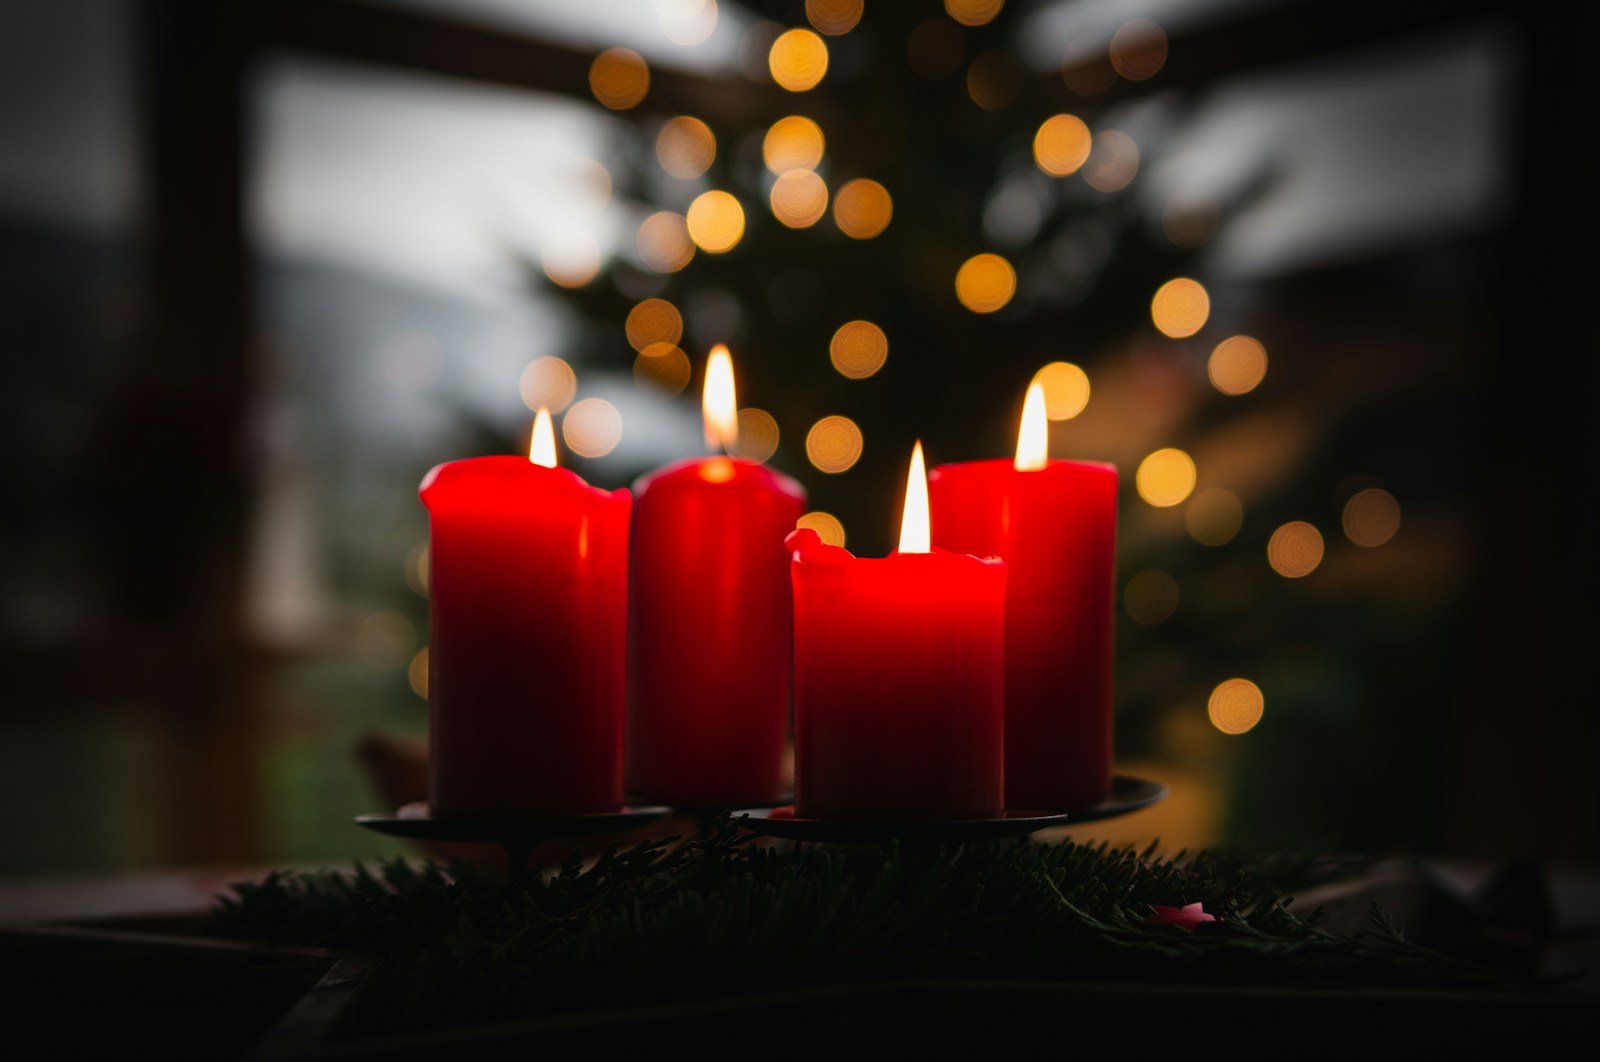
(718, 406)
(1033, 437)
(915, 535)
(542, 449)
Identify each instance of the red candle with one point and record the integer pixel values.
(898, 680)
(527, 636)
(711, 623)
(1054, 522)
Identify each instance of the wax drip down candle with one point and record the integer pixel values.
(899, 676)
(1054, 522)
(527, 636)
(710, 620)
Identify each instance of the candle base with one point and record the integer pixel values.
(1128, 794)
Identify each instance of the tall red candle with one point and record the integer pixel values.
(1054, 522)
(527, 637)
(711, 623)
(898, 679)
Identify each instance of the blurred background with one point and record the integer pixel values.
(1308, 271)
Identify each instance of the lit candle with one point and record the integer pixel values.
(898, 677)
(710, 619)
(527, 637)
(1054, 522)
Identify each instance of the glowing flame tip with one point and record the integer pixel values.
(542, 448)
(1033, 437)
(718, 404)
(915, 534)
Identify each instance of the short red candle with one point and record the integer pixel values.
(1056, 528)
(527, 641)
(898, 683)
(711, 624)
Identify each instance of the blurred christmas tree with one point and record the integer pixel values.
(896, 224)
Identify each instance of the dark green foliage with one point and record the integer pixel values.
(716, 916)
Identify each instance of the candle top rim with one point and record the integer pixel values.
(805, 546)
(744, 473)
(509, 470)
(1009, 464)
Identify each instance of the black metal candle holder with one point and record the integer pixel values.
(1128, 794)
(519, 835)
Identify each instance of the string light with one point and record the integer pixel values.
(1066, 389)
(1295, 550)
(686, 147)
(799, 199)
(826, 525)
(1235, 706)
(862, 208)
(1180, 307)
(792, 143)
(547, 382)
(619, 78)
(798, 60)
(1165, 477)
(858, 349)
(1061, 146)
(715, 221)
(985, 283)
(834, 444)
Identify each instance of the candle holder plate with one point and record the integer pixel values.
(1128, 794)
(517, 834)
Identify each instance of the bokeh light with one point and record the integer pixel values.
(663, 366)
(858, 349)
(826, 525)
(417, 570)
(1214, 516)
(549, 382)
(1061, 146)
(687, 22)
(571, 260)
(758, 435)
(1237, 365)
(834, 444)
(1295, 549)
(1165, 477)
(985, 283)
(833, 17)
(994, 80)
(1066, 389)
(1138, 49)
(792, 143)
(973, 12)
(1371, 517)
(862, 208)
(417, 673)
(798, 60)
(619, 78)
(686, 147)
(1180, 307)
(715, 221)
(1235, 706)
(1151, 597)
(664, 243)
(653, 321)
(1113, 161)
(799, 199)
(592, 427)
